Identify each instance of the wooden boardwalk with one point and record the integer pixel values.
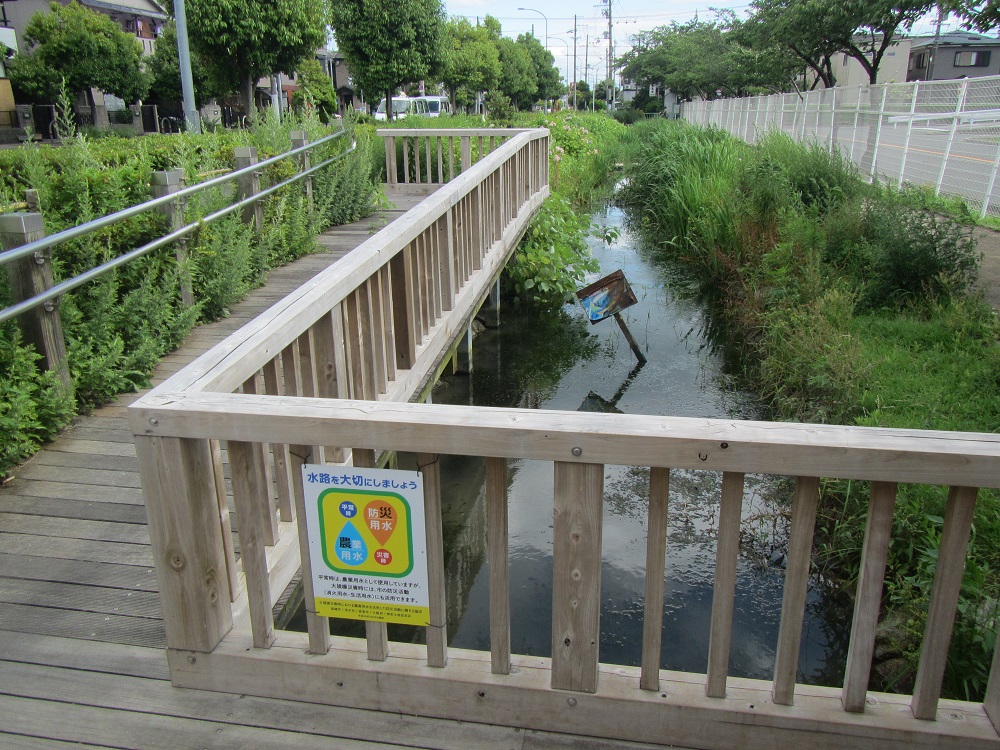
(81, 640)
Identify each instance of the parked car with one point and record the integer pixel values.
(403, 106)
(436, 105)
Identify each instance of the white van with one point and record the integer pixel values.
(436, 105)
(403, 106)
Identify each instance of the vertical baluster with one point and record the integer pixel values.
(329, 368)
(283, 480)
(944, 600)
(451, 158)
(249, 495)
(458, 217)
(318, 627)
(656, 552)
(374, 379)
(437, 631)
(446, 259)
(406, 159)
(388, 325)
(262, 466)
(440, 174)
(416, 158)
(478, 229)
(479, 156)
(225, 524)
(307, 388)
(576, 575)
(793, 605)
(420, 281)
(357, 348)
(499, 557)
(427, 276)
(434, 268)
(402, 309)
(867, 600)
(390, 160)
(991, 702)
(427, 151)
(466, 153)
(373, 293)
(375, 632)
(724, 591)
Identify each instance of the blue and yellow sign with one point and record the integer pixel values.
(367, 543)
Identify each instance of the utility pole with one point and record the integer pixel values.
(934, 48)
(586, 66)
(610, 93)
(574, 60)
(184, 57)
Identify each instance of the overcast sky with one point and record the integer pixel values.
(628, 16)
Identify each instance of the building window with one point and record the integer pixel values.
(919, 60)
(965, 59)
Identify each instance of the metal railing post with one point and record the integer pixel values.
(300, 139)
(959, 106)
(29, 276)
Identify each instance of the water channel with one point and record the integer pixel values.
(560, 361)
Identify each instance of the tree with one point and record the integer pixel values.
(84, 49)
(980, 15)
(518, 79)
(471, 61)
(315, 90)
(389, 44)
(256, 38)
(210, 82)
(546, 73)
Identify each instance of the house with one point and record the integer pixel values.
(957, 54)
(8, 46)
(143, 18)
(892, 69)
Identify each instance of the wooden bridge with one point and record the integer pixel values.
(91, 594)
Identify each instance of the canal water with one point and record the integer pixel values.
(560, 361)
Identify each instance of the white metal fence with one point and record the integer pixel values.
(944, 134)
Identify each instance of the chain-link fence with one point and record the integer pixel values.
(943, 134)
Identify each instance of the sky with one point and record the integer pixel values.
(628, 18)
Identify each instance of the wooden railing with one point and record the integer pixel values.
(313, 376)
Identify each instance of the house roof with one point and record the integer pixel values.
(957, 39)
(129, 7)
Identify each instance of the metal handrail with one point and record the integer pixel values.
(92, 226)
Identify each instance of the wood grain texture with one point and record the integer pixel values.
(724, 589)
(793, 604)
(576, 575)
(429, 466)
(656, 552)
(944, 599)
(868, 599)
(376, 633)
(499, 562)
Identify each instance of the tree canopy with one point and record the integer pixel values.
(389, 44)
(210, 81)
(257, 38)
(546, 74)
(471, 61)
(83, 48)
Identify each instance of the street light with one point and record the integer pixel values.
(546, 23)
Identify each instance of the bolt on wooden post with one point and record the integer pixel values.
(30, 276)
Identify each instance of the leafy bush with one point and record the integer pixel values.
(552, 259)
(117, 327)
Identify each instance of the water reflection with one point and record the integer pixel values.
(561, 362)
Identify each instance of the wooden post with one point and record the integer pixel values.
(186, 540)
(944, 599)
(576, 575)
(437, 631)
(249, 184)
(30, 276)
(499, 557)
(375, 632)
(466, 153)
(868, 599)
(724, 591)
(299, 139)
(390, 160)
(793, 604)
(248, 495)
(656, 552)
(402, 309)
(167, 183)
(319, 627)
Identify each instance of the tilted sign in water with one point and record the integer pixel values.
(367, 543)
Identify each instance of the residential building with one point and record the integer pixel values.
(956, 54)
(892, 69)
